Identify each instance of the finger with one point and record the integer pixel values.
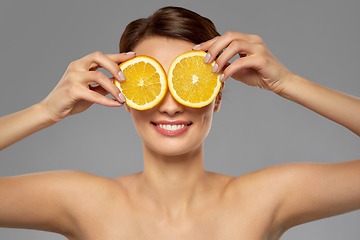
(205, 45)
(91, 78)
(99, 89)
(121, 57)
(249, 62)
(103, 92)
(83, 93)
(109, 62)
(243, 48)
(225, 40)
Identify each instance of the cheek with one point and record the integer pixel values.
(206, 113)
(207, 122)
(141, 119)
(205, 117)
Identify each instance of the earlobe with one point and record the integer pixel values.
(128, 109)
(219, 98)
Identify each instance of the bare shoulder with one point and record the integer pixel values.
(73, 181)
(297, 193)
(92, 188)
(80, 189)
(268, 178)
(93, 197)
(284, 177)
(53, 201)
(65, 183)
(259, 195)
(270, 183)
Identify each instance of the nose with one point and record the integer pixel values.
(170, 106)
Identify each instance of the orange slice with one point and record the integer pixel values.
(191, 81)
(145, 83)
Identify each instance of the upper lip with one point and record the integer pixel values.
(171, 122)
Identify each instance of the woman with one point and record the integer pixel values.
(174, 197)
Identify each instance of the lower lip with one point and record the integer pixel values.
(171, 132)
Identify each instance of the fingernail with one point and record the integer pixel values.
(121, 76)
(222, 77)
(130, 53)
(122, 98)
(207, 58)
(215, 68)
(119, 104)
(196, 47)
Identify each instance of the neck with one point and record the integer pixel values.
(174, 183)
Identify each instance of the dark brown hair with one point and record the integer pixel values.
(169, 22)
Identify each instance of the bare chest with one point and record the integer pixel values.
(220, 223)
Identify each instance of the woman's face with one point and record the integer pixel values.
(170, 128)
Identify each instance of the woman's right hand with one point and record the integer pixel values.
(76, 92)
(255, 66)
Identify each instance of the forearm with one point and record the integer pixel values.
(19, 125)
(336, 106)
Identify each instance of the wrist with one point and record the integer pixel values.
(43, 117)
(290, 87)
(19, 125)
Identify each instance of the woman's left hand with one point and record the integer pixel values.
(256, 66)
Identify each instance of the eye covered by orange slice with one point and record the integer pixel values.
(191, 81)
(145, 84)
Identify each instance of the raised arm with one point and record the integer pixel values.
(19, 125)
(73, 94)
(304, 191)
(336, 106)
(259, 68)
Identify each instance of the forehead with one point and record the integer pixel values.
(164, 50)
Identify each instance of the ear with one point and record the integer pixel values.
(128, 109)
(219, 98)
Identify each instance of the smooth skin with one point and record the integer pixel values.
(174, 197)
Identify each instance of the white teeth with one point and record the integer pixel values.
(171, 127)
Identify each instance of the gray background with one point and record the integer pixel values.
(254, 129)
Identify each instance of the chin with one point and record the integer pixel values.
(175, 149)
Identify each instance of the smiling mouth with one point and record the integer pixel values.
(171, 127)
